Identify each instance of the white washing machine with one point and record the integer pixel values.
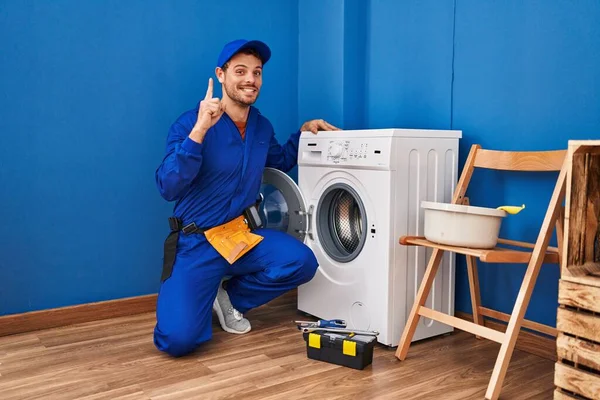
(358, 192)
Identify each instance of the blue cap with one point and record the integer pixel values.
(232, 48)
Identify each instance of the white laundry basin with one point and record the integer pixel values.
(460, 225)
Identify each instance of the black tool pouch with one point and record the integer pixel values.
(170, 248)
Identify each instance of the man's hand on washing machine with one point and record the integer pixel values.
(316, 125)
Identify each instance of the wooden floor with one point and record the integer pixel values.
(116, 359)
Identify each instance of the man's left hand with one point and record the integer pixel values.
(316, 125)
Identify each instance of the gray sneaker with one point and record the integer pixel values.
(231, 320)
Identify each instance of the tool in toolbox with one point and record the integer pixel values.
(331, 325)
(339, 330)
(322, 323)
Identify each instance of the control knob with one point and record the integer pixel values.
(335, 150)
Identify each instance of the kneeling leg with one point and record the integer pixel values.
(185, 303)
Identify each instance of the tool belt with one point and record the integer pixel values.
(232, 239)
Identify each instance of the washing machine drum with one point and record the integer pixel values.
(346, 221)
(341, 222)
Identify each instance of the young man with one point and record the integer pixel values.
(213, 168)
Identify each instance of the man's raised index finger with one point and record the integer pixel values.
(209, 91)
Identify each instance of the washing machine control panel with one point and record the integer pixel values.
(346, 150)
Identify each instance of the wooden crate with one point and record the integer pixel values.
(582, 212)
(577, 371)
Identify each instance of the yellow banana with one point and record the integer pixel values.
(512, 209)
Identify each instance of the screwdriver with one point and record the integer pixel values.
(323, 323)
(339, 330)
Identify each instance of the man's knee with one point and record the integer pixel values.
(178, 343)
(309, 264)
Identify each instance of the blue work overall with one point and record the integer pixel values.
(213, 183)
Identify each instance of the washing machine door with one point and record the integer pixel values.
(283, 206)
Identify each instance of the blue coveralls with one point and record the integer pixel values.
(212, 183)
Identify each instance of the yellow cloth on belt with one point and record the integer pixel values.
(233, 239)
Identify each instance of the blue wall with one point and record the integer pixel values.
(410, 64)
(88, 91)
(332, 61)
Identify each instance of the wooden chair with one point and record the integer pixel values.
(532, 254)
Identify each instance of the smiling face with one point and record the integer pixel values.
(242, 78)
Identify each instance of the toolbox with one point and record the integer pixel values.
(353, 351)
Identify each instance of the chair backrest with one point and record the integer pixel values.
(532, 161)
(536, 161)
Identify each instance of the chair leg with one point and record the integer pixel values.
(474, 287)
(560, 232)
(423, 293)
(531, 274)
(512, 332)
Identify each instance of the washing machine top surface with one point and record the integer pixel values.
(382, 133)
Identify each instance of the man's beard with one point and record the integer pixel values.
(236, 95)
